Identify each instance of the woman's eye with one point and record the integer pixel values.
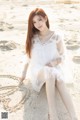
(37, 21)
(34, 22)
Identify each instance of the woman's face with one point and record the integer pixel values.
(39, 22)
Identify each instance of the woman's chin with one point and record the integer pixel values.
(41, 30)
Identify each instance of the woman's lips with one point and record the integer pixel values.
(39, 27)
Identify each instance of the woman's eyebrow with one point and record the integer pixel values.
(39, 17)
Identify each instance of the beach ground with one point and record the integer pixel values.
(24, 103)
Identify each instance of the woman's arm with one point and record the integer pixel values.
(54, 62)
(24, 73)
(61, 50)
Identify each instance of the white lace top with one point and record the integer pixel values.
(41, 54)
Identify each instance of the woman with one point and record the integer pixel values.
(45, 56)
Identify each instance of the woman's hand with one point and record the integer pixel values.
(21, 81)
(54, 62)
(48, 64)
(23, 74)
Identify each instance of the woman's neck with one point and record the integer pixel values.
(44, 33)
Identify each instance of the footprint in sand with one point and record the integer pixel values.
(72, 45)
(6, 45)
(76, 59)
(4, 26)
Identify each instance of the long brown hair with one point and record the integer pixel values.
(32, 30)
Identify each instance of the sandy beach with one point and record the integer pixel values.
(24, 103)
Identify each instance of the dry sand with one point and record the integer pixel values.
(24, 103)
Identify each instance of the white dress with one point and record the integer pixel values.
(41, 54)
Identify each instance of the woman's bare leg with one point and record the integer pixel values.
(50, 91)
(66, 99)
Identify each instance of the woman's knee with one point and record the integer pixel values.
(51, 79)
(60, 82)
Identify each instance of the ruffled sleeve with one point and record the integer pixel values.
(67, 65)
(26, 59)
(61, 46)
